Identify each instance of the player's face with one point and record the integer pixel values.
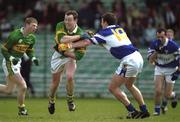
(32, 27)
(70, 22)
(161, 36)
(170, 35)
(103, 24)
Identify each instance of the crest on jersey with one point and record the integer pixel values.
(20, 40)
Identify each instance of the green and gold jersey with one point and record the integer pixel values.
(17, 44)
(62, 31)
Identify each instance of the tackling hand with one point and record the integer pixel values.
(35, 61)
(85, 36)
(64, 46)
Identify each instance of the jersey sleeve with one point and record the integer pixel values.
(151, 49)
(60, 32)
(98, 39)
(7, 45)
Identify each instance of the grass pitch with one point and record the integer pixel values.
(88, 110)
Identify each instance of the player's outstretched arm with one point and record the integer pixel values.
(153, 58)
(79, 44)
(82, 43)
(68, 39)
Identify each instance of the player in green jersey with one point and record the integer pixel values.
(19, 42)
(66, 31)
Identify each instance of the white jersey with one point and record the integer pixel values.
(115, 40)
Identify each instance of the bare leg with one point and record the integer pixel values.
(21, 88)
(8, 88)
(159, 80)
(134, 90)
(56, 78)
(114, 85)
(70, 71)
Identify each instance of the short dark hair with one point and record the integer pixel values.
(161, 30)
(72, 12)
(30, 20)
(110, 18)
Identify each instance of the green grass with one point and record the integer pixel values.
(88, 110)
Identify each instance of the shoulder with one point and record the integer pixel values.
(172, 42)
(15, 32)
(172, 45)
(60, 25)
(109, 30)
(15, 35)
(80, 30)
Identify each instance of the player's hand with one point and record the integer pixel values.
(64, 46)
(175, 75)
(85, 36)
(14, 60)
(90, 33)
(35, 61)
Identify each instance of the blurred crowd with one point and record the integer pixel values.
(139, 19)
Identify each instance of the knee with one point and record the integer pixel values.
(128, 86)
(70, 78)
(111, 88)
(23, 88)
(8, 92)
(168, 94)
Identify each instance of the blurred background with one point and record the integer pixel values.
(139, 18)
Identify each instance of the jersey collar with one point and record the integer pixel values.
(166, 42)
(74, 31)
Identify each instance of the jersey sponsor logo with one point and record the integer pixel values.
(20, 48)
(165, 59)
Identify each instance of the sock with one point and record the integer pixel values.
(164, 102)
(51, 99)
(130, 108)
(22, 106)
(157, 109)
(143, 108)
(70, 98)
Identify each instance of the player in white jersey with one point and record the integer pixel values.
(115, 40)
(164, 54)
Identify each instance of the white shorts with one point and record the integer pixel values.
(166, 72)
(58, 62)
(9, 68)
(134, 64)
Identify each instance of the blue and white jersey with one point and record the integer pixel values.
(115, 40)
(168, 54)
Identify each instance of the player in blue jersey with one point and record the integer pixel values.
(114, 39)
(164, 54)
(170, 36)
